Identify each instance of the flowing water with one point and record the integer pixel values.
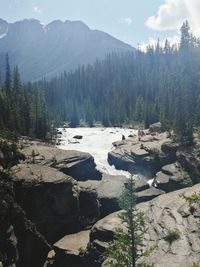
(97, 142)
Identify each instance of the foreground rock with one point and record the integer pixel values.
(79, 165)
(69, 250)
(20, 242)
(100, 198)
(163, 214)
(49, 198)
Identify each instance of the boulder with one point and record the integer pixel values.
(79, 165)
(155, 127)
(165, 213)
(88, 203)
(100, 198)
(190, 161)
(148, 194)
(109, 192)
(140, 157)
(172, 177)
(140, 184)
(78, 137)
(49, 197)
(69, 250)
(170, 148)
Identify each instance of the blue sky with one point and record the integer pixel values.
(133, 21)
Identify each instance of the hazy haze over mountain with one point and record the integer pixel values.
(46, 50)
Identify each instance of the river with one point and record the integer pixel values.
(97, 142)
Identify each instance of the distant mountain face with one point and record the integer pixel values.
(47, 50)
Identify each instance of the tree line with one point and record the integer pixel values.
(159, 85)
(22, 106)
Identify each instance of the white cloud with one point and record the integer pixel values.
(128, 21)
(172, 13)
(36, 8)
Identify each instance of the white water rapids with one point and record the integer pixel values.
(97, 142)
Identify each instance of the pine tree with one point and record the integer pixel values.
(8, 80)
(127, 247)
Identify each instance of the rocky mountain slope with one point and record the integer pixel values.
(47, 50)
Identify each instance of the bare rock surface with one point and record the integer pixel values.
(49, 197)
(79, 165)
(148, 194)
(100, 198)
(172, 177)
(73, 244)
(189, 159)
(165, 213)
(68, 251)
(141, 155)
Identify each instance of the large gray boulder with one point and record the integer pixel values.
(100, 198)
(79, 165)
(155, 127)
(189, 160)
(165, 213)
(49, 197)
(172, 177)
(69, 250)
(148, 194)
(143, 156)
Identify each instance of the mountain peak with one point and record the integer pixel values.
(47, 50)
(3, 27)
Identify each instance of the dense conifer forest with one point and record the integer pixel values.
(159, 85)
(22, 107)
(162, 84)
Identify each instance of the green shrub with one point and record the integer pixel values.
(195, 265)
(172, 235)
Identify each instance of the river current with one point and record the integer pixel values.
(97, 142)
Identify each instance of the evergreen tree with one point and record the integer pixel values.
(127, 247)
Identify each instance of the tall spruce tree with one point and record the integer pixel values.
(127, 248)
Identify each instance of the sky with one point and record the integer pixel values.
(132, 21)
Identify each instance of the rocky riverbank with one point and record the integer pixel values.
(74, 207)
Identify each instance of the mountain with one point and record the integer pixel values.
(46, 50)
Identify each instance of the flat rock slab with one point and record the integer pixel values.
(38, 174)
(148, 194)
(166, 212)
(73, 244)
(79, 165)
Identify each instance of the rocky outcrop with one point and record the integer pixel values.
(148, 194)
(155, 127)
(100, 198)
(189, 159)
(172, 177)
(20, 242)
(143, 156)
(9, 154)
(89, 203)
(79, 165)
(168, 212)
(69, 250)
(170, 148)
(49, 197)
